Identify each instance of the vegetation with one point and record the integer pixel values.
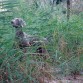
(64, 48)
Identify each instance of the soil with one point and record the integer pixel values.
(68, 79)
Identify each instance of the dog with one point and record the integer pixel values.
(25, 40)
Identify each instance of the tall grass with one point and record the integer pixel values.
(65, 44)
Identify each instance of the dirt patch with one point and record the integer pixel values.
(68, 79)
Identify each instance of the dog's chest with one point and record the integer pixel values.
(23, 39)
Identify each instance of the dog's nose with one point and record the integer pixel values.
(12, 22)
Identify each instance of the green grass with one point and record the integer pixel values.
(65, 44)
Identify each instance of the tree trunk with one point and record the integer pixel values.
(68, 9)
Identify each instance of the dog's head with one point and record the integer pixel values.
(18, 22)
